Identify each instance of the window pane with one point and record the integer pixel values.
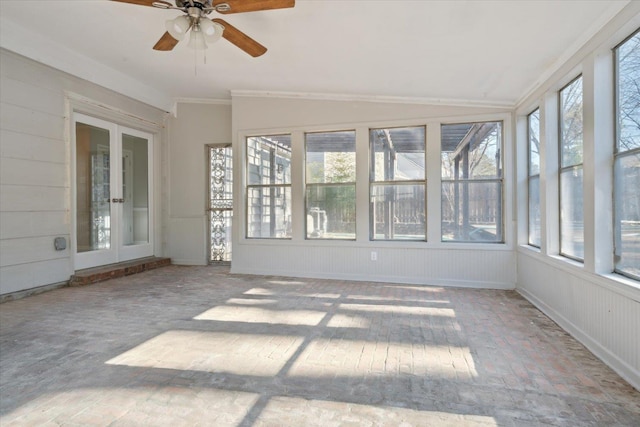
(534, 211)
(534, 142)
(571, 213)
(331, 157)
(398, 212)
(472, 151)
(398, 154)
(331, 212)
(628, 70)
(627, 212)
(571, 123)
(269, 212)
(472, 211)
(269, 160)
(93, 188)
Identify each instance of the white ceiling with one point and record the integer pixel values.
(490, 52)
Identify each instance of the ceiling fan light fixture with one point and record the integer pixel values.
(212, 31)
(178, 27)
(196, 39)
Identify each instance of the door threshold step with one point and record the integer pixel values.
(111, 271)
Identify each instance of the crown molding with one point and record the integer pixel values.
(372, 98)
(202, 101)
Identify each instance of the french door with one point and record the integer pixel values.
(113, 170)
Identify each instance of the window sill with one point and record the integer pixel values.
(366, 244)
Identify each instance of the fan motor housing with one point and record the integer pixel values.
(201, 4)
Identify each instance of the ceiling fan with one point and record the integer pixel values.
(205, 30)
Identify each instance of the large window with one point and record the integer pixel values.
(331, 185)
(571, 194)
(472, 196)
(397, 183)
(533, 138)
(269, 186)
(627, 158)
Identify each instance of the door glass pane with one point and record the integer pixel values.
(220, 203)
(93, 168)
(135, 190)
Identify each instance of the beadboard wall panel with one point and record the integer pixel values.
(465, 268)
(603, 314)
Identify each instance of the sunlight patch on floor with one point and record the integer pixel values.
(324, 413)
(135, 406)
(248, 301)
(320, 295)
(220, 352)
(399, 299)
(342, 357)
(349, 321)
(262, 315)
(286, 282)
(258, 291)
(400, 309)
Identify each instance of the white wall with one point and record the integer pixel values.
(431, 262)
(600, 309)
(35, 174)
(195, 126)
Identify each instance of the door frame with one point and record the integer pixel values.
(117, 251)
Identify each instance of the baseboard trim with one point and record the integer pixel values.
(12, 296)
(622, 368)
(377, 279)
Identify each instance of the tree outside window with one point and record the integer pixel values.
(331, 185)
(472, 186)
(627, 159)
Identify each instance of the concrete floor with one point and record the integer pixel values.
(198, 346)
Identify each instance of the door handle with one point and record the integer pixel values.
(114, 200)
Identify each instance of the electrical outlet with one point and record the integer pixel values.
(374, 256)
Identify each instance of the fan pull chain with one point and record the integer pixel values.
(195, 62)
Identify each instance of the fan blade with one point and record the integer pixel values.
(140, 2)
(240, 39)
(166, 42)
(237, 6)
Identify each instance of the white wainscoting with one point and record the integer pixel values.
(601, 312)
(442, 267)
